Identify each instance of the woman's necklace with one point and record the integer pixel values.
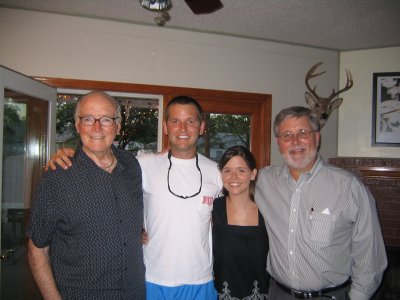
(113, 159)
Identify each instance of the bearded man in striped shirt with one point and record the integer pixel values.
(324, 231)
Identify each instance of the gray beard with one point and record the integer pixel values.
(307, 160)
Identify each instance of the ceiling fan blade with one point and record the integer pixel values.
(204, 6)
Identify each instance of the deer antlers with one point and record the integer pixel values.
(321, 106)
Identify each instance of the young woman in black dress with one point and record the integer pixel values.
(240, 240)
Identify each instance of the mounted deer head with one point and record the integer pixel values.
(323, 107)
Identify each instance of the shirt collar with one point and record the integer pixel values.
(315, 169)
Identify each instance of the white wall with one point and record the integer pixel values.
(355, 113)
(39, 44)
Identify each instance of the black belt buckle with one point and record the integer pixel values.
(314, 294)
(304, 295)
(297, 294)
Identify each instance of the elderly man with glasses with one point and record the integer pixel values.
(86, 222)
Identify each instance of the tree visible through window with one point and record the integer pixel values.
(224, 131)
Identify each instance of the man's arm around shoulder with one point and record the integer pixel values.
(40, 266)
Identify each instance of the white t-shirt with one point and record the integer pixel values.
(179, 249)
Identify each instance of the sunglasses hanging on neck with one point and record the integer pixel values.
(201, 178)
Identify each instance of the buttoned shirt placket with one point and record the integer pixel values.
(294, 228)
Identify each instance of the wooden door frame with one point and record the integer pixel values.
(257, 106)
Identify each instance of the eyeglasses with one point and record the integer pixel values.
(104, 121)
(201, 178)
(302, 134)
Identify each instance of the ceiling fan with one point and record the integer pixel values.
(198, 7)
(204, 6)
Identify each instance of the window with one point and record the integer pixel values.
(224, 131)
(257, 107)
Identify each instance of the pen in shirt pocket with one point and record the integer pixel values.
(311, 211)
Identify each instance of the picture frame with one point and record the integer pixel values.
(386, 109)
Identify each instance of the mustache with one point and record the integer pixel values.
(296, 148)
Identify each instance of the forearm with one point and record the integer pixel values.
(367, 249)
(41, 270)
(356, 295)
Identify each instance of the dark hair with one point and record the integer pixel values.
(106, 96)
(249, 159)
(296, 112)
(184, 100)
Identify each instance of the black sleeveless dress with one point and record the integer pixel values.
(240, 256)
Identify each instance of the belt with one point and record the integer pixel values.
(313, 294)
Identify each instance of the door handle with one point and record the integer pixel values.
(7, 254)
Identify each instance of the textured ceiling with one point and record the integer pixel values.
(330, 24)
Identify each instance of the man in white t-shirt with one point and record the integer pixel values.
(179, 188)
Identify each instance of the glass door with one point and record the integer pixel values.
(27, 137)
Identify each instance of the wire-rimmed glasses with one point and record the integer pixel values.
(302, 134)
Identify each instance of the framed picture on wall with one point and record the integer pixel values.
(386, 110)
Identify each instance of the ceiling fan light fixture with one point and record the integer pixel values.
(156, 5)
(165, 15)
(160, 6)
(160, 21)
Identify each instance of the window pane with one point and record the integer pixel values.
(66, 135)
(224, 131)
(139, 125)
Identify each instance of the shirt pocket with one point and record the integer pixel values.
(322, 226)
